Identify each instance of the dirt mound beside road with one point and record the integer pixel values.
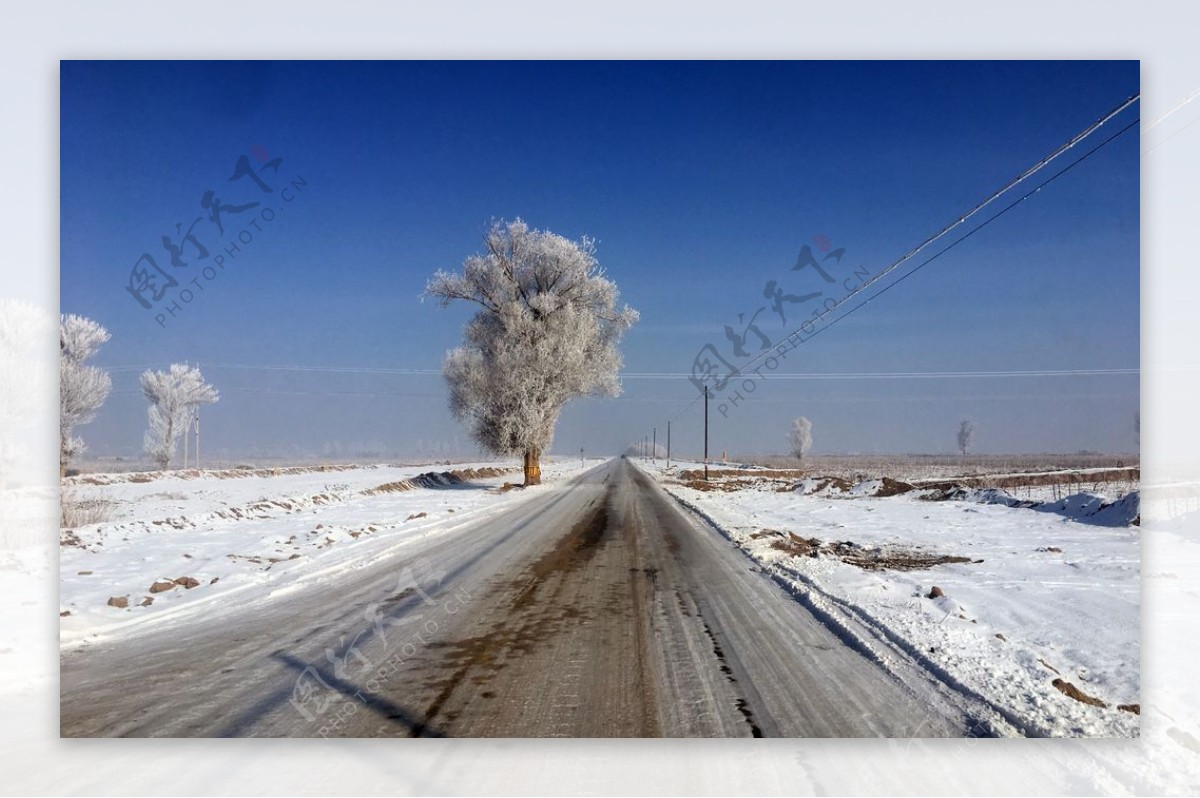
(439, 479)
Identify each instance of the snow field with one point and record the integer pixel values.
(249, 539)
(1040, 596)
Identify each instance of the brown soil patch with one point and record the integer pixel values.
(798, 546)
(435, 479)
(468, 474)
(391, 487)
(837, 483)
(1027, 480)
(1071, 691)
(700, 484)
(894, 487)
(884, 559)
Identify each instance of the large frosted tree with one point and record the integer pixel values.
(173, 395)
(800, 436)
(547, 332)
(82, 388)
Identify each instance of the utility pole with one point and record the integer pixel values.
(706, 433)
(668, 444)
(187, 430)
(196, 418)
(654, 446)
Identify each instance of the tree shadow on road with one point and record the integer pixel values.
(406, 722)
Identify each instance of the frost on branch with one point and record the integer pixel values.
(82, 388)
(173, 395)
(546, 332)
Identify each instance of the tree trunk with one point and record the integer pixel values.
(533, 467)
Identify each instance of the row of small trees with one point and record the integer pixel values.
(174, 395)
(800, 436)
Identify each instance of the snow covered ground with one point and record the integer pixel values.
(1022, 599)
(160, 548)
(1164, 760)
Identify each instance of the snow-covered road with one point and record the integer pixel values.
(594, 607)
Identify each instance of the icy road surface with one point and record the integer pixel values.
(597, 608)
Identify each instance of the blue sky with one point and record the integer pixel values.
(700, 181)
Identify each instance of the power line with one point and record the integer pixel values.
(1173, 135)
(961, 220)
(972, 232)
(237, 389)
(880, 375)
(269, 367)
(1193, 94)
(674, 375)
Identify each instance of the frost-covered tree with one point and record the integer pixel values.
(173, 395)
(82, 388)
(966, 436)
(25, 375)
(547, 332)
(801, 436)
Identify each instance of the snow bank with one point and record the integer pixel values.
(1086, 507)
(1023, 598)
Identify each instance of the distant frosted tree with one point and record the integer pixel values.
(547, 332)
(82, 388)
(966, 436)
(801, 436)
(173, 395)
